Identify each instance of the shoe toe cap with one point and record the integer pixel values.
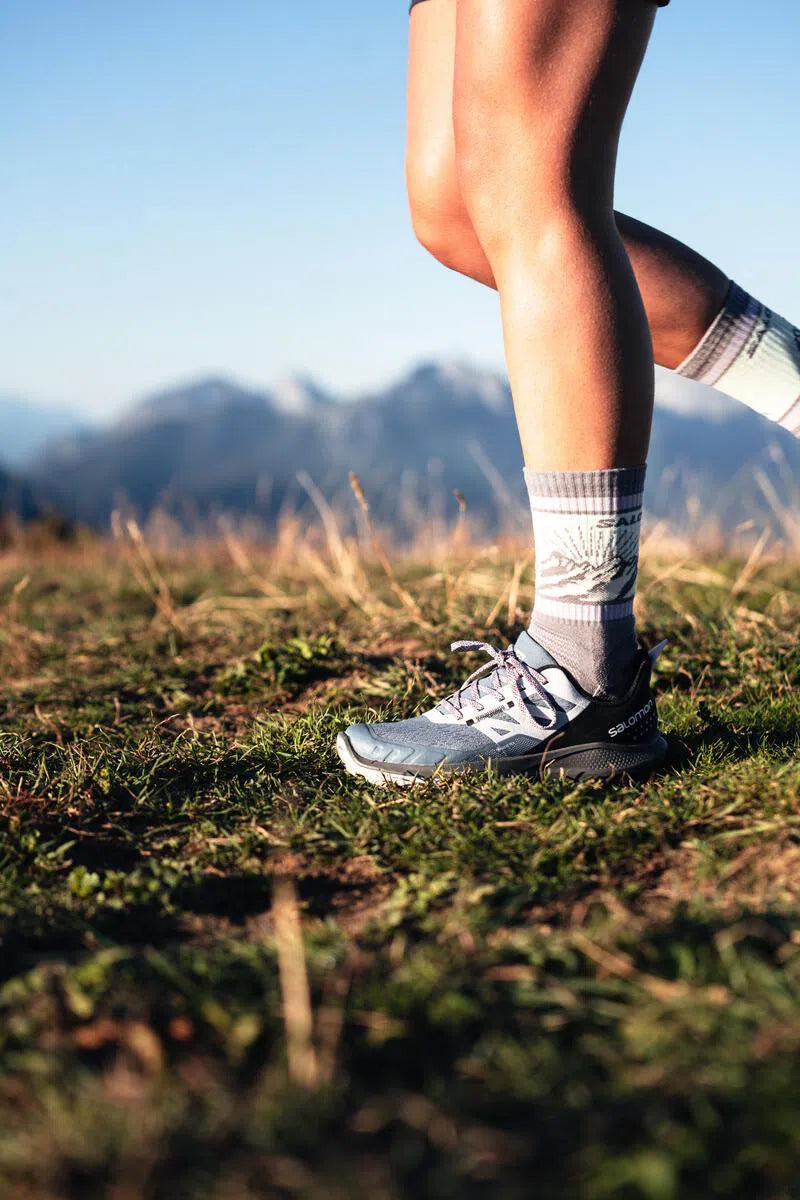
(369, 743)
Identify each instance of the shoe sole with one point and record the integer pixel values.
(594, 760)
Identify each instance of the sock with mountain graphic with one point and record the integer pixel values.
(586, 527)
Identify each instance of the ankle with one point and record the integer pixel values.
(601, 658)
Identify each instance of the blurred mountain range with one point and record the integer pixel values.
(17, 497)
(215, 447)
(27, 427)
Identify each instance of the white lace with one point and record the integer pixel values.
(516, 672)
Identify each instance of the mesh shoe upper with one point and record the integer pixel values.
(420, 729)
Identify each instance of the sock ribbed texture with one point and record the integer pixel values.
(752, 354)
(586, 527)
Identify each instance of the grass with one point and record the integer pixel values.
(228, 970)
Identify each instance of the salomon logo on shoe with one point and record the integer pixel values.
(632, 721)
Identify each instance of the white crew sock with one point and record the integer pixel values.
(586, 527)
(753, 355)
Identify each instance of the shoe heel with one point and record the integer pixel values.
(606, 761)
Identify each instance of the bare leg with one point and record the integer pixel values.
(540, 92)
(681, 290)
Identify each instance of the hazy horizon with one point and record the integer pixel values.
(672, 390)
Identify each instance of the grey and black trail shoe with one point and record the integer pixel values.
(519, 712)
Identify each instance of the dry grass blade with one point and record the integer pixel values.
(403, 596)
(337, 588)
(145, 568)
(622, 966)
(457, 542)
(340, 554)
(753, 562)
(459, 532)
(16, 637)
(209, 605)
(295, 993)
(510, 591)
(122, 537)
(505, 500)
(330, 1021)
(336, 545)
(513, 594)
(788, 521)
(241, 559)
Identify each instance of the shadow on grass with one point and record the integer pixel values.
(734, 745)
(238, 896)
(60, 933)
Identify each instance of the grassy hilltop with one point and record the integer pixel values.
(227, 970)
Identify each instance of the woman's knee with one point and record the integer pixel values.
(507, 160)
(523, 183)
(438, 216)
(537, 103)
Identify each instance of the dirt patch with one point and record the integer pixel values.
(760, 877)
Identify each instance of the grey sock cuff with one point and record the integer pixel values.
(601, 658)
(585, 485)
(738, 305)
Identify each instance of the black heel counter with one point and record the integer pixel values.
(630, 721)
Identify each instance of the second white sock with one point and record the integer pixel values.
(752, 354)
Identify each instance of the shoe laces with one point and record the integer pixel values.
(503, 663)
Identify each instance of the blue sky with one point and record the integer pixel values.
(193, 186)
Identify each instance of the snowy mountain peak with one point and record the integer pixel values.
(197, 400)
(298, 395)
(463, 382)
